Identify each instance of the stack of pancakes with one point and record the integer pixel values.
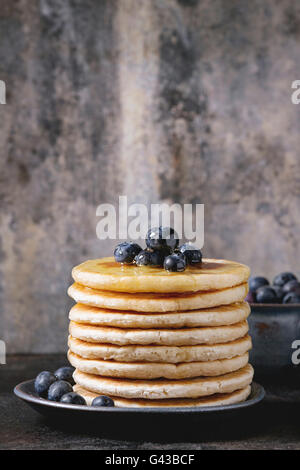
(147, 337)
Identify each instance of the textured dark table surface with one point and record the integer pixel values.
(276, 426)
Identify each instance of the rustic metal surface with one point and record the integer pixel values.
(178, 101)
(275, 426)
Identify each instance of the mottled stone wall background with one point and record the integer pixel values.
(162, 100)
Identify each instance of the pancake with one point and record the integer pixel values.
(217, 316)
(156, 370)
(163, 388)
(213, 400)
(107, 274)
(157, 302)
(165, 337)
(169, 354)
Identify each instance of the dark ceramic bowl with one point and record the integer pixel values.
(274, 328)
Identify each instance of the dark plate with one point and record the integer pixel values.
(144, 423)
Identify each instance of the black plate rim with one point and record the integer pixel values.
(28, 397)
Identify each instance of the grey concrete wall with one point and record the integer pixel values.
(185, 101)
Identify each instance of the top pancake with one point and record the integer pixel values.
(211, 274)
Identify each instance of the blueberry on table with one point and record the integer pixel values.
(125, 252)
(291, 298)
(43, 382)
(291, 286)
(58, 389)
(65, 373)
(103, 400)
(162, 238)
(73, 399)
(283, 278)
(266, 295)
(191, 253)
(257, 282)
(175, 263)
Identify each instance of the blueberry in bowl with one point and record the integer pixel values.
(282, 278)
(279, 293)
(266, 295)
(261, 292)
(292, 298)
(257, 282)
(274, 324)
(291, 286)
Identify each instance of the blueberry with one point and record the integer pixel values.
(265, 295)
(192, 254)
(43, 382)
(143, 258)
(125, 252)
(73, 399)
(291, 286)
(58, 389)
(162, 238)
(175, 263)
(279, 293)
(158, 257)
(292, 298)
(256, 282)
(102, 400)
(65, 373)
(150, 258)
(250, 297)
(283, 278)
